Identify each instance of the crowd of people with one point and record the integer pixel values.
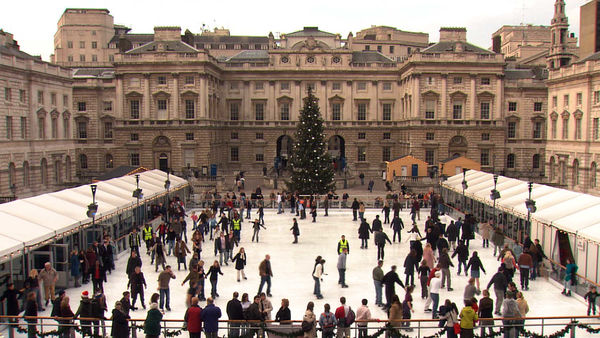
(433, 253)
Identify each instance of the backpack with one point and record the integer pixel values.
(328, 322)
(306, 326)
(350, 317)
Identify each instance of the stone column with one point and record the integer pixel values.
(416, 97)
(147, 97)
(175, 99)
(121, 111)
(473, 97)
(496, 113)
(443, 96)
(203, 96)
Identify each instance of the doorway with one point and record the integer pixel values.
(163, 162)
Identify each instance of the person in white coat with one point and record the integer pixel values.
(363, 313)
(318, 277)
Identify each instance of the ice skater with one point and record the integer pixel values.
(256, 226)
(295, 231)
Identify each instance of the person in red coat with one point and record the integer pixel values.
(193, 319)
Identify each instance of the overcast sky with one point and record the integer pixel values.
(33, 22)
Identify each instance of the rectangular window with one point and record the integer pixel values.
(284, 111)
(361, 85)
(362, 111)
(259, 111)
(362, 154)
(66, 129)
(234, 155)
(260, 157)
(511, 130)
(284, 86)
(457, 80)
(54, 128)
(82, 57)
(190, 109)
(21, 95)
(233, 85)
(367, 47)
(537, 130)
(597, 97)
(66, 101)
(81, 44)
(82, 130)
(391, 49)
(9, 128)
(485, 81)
(596, 128)
(579, 99)
(189, 80)
(134, 109)
(566, 100)
(485, 110)
(512, 106)
(134, 137)
(336, 111)
(554, 101)
(362, 136)
(336, 86)
(134, 159)
(108, 130)
(70, 58)
(430, 156)
(40, 97)
(457, 111)
(81, 106)
(234, 135)
(234, 111)
(41, 128)
(94, 44)
(430, 80)
(7, 94)
(387, 86)
(387, 112)
(107, 105)
(379, 48)
(386, 154)
(430, 109)
(485, 136)
(537, 106)
(23, 127)
(430, 136)
(94, 57)
(161, 104)
(259, 85)
(162, 80)
(565, 129)
(189, 136)
(387, 136)
(484, 158)
(554, 127)
(259, 136)
(578, 129)
(53, 99)
(69, 44)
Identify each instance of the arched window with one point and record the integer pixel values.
(552, 169)
(12, 175)
(593, 169)
(108, 161)
(44, 171)
(510, 161)
(575, 178)
(83, 161)
(536, 161)
(26, 179)
(68, 168)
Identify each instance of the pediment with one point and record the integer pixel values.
(189, 93)
(336, 98)
(565, 115)
(430, 93)
(41, 112)
(54, 114)
(133, 93)
(554, 115)
(284, 98)
(107, 117)
(513, 117)
(161, 93)
(458, 94)
(81, 118)
(578, 114)
(485, 93)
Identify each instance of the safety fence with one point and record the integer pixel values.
(537, 327)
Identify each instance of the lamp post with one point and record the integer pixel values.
(93, 207)
(167, 186)
(494, 195)
(137, 193)
(530, 204)
(464, 186)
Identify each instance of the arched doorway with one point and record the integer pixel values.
(285, 147)
(337, 147)
(457, 146)
(162, 151)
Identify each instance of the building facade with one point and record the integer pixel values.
(36, 121)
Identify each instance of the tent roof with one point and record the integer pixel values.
(29, 222)
(564, 209)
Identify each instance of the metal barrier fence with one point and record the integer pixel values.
(426, 328)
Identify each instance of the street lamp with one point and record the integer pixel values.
(464, 186)
(530, 204)
(93, 207)
(494, 195)
(137, 193)
(167, 186)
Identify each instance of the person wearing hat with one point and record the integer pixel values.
(85, 311)
(120, 324)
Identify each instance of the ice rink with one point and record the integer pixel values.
(292, 266)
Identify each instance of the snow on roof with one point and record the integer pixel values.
(565, 210)
(29, 222)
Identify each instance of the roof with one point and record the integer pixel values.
(593, 57)
(250, 56)
(451, 158)
(169, 46)
(133, 38)
(104, 73)
(563, 209)
(370, 56)
(18, 53)
(519, 74)
(309, 31)
(407, 157)
(32, 222)
(449, 46)
(120, 171)
(137, 38)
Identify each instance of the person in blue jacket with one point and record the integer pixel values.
(210, 317)
(570, 277)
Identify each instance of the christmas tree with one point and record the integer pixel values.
(312, 170)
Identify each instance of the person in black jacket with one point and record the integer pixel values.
(283, 314)
(31, 310)
(376, 224)
(462, 251)
(126, 303)
(380, 239)
(11, 296)
(234, 312)
(98, 277)
(213, 274)
(253, 313)
(240, 263)
(500, 284)
(386, 213)
(397, 225)
(137, 282)
(389, 280)
(410, 263)
(442, 244)
(363, 233)
(355, 207)
(452, 234)
(475, 265)
(85, 311)
(133, 261)
(120, 324)
(295, 231)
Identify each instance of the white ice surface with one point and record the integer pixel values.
(292, 265)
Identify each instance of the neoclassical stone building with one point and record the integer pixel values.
(37, 152)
